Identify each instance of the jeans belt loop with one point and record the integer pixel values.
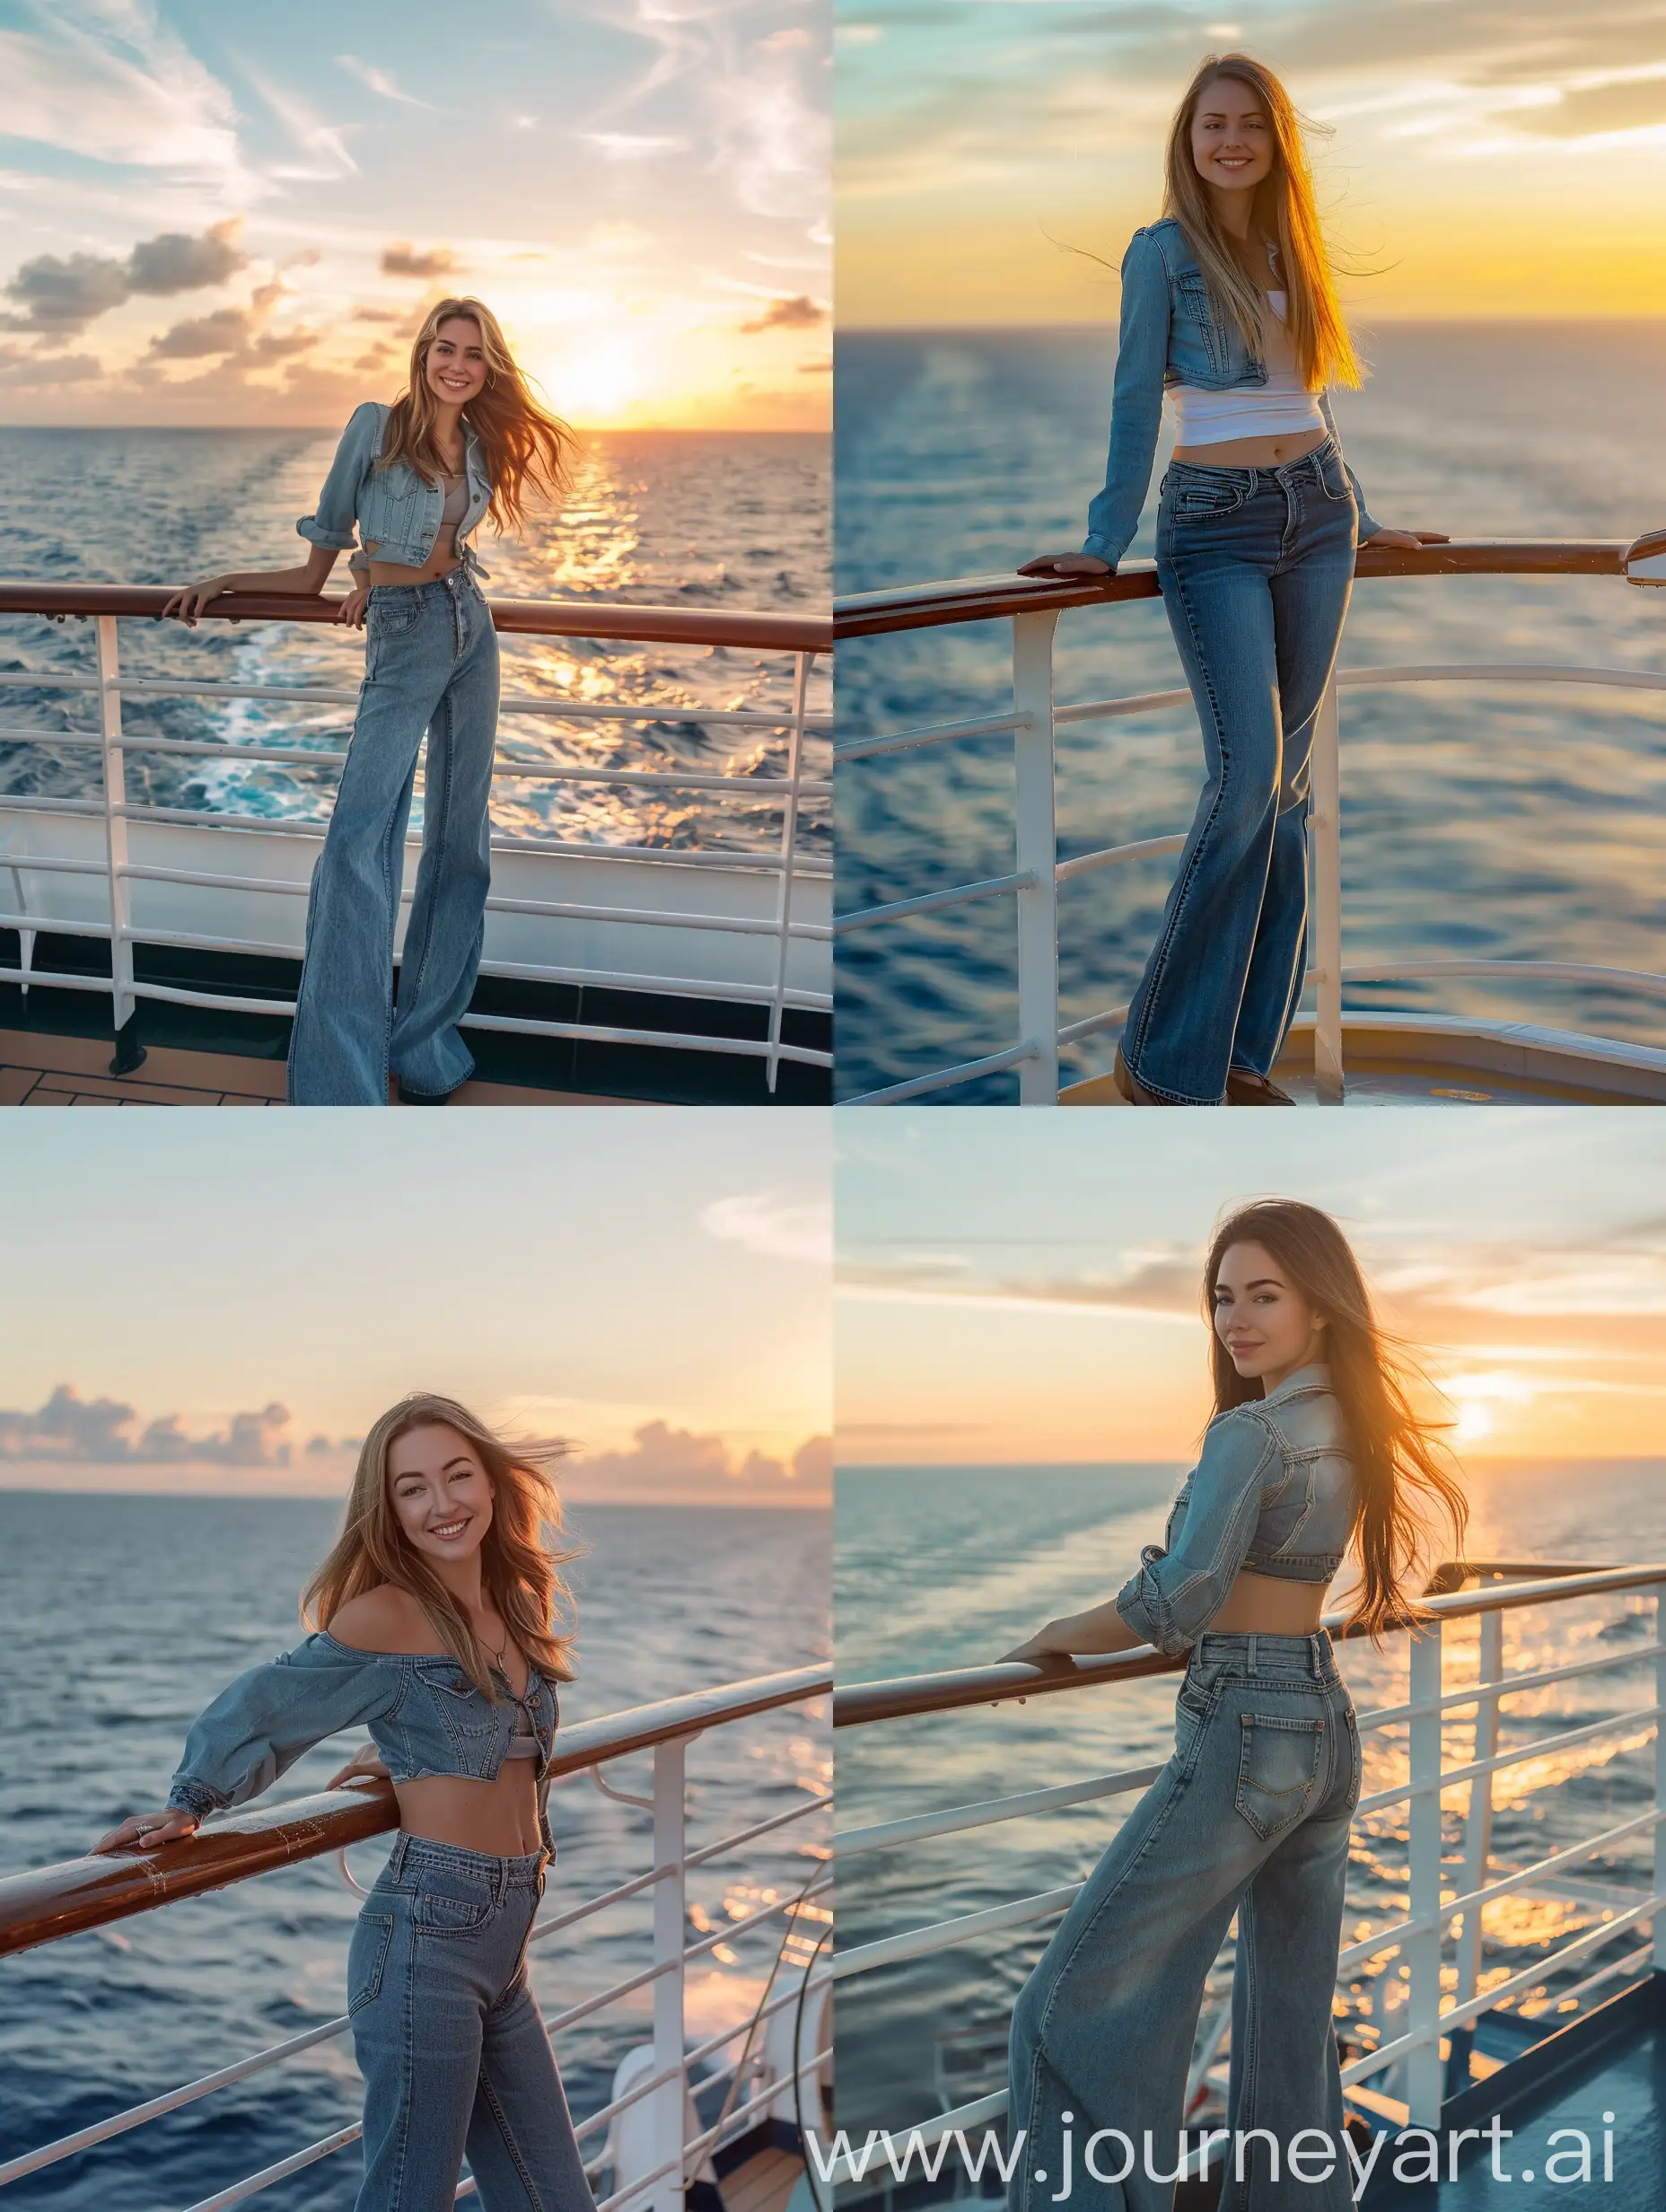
(1252, 1651)
(399, 1843)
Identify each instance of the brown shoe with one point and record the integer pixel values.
(1130, 1086)
(1244, 1087)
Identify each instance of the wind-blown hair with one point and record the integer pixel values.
(1284, 210)
(525, 446)
(1399, 1466)
(520, 1559)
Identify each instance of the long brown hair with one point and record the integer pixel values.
(523, 443)
(1399, 1466)
(1284, 210)
(520, 1561)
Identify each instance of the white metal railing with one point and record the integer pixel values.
(1033, 884)
(786, 866)
(1434, 1900)
(801, 1922)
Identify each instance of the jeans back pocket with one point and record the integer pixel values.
(1278, 1768)
(367, 1958)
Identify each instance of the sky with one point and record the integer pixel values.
(1481, 159)
(237, 215)
(225, 1302)
(1021, 1288)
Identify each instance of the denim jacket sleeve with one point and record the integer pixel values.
(260, 1724)
(1136, 400)
(1367, 528)
(1175, 1594)
(333, 523)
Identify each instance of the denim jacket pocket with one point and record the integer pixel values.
(1190, 305)
(449, 1904)
(1278, 1768)
(367, 1957)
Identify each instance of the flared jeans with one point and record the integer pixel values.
(1256, 567)
(1251, 1816)
(453, 2052)
(430, 663)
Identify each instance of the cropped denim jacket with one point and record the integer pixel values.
(1170, 334)
(1273, 1491)
(423, 1713)
(396, 509)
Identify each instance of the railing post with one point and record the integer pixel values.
(1478, 1843)
(1325, 823)
(1660, 1780)
(789, 849)
(670, 1923)
(1423, 1952)
(1037, 854)
(129, 1052)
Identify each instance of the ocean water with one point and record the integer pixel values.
(1520, 823)
(686, 519)
(946, 1568)
(123, 1614)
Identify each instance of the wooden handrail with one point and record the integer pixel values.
(539, 618)
(906, 1695)
(982, 599)
(46, 1902)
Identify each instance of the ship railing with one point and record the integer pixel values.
(46, 1904)
(801, 637)
(1033, 606)
(1434, 2015)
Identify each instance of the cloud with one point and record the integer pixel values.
(799, 313)
(19, 370)
(618, 146)
(225, 331)
(664, 1459)
(111, 83)
(62, 293)
(99, 1432)
(380, 81)
(402, 260)
(774, 1223)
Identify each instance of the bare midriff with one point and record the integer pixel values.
(1269, 1605)
(499, 1818)
(1252, 453)
(439, 563)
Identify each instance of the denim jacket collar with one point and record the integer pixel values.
(1315, 1376)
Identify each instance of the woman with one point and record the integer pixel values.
(1313, 1448)
(1228, 304)
(465, 440)
(433, 1618)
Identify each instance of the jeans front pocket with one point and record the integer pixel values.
(393, 610)
(367, 1956)
(1278, 1771)
(449, 1903)
(1333, 477)
(1202, 499)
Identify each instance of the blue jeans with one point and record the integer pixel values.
(448, 2039)
(1251, 1816)
(1256, 567)
(430, 663)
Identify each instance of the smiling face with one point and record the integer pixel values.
(1232, 136)
(456, 367)
(440, 1493)
(1268, 1327)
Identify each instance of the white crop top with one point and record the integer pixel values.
(1279, 408)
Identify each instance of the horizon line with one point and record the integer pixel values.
(1109, 322)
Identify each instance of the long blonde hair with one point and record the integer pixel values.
(1286, 211)
(519, 1564)
(1399, 1467)
(524, 444)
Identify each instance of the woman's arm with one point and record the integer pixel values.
(308, 577)
(1101, 1628)
(1136, 418)
(1173, 1595)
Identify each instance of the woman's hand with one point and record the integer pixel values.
(1410, 539)
(352, 609)
(1036, 1651)
(143, 1831)
(186, 605)
(366, 1764)
(1066, 565)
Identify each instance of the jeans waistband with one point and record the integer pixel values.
(466, 572)
(519, 1873)
(1284, 474)
(1310, 1656)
